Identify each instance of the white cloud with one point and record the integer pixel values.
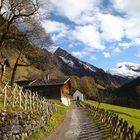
(89, 36)
(82, 53)
(93, 57)
(117, 50)
(125, 45)
(106, 54)
(127, 63)
(79, 54)
(132, 21)
(136, 41)
(94, 28)
(111, 26)
(57, 29)
(132, 28)
(131, 7)
(74, 9)
(53, 26)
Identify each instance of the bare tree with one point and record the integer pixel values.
(20, 14)
(12, 11)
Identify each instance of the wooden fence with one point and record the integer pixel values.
(119, 128)
(16, 98)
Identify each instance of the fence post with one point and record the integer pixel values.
(14, 92)
(5, 95)
(30, 99)
(33, 100)
(36, 101)
(20, 97)
(25, 103)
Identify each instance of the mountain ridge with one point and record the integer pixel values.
(81, 68)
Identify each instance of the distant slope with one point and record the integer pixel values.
(130, 90)
(127, 95)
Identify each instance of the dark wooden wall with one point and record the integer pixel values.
(50, 92)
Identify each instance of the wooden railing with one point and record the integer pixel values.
(16, 98)
(119, 128)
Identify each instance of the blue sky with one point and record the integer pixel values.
(101, 32)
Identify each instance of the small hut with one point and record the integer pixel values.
(78, 95)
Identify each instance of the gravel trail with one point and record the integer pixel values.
(76, 126)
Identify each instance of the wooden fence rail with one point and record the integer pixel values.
(119, 127)
(15, 97)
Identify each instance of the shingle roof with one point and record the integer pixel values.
(43, 82)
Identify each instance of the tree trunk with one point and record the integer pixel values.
(14, 71)
(98, 104)
(2, 72)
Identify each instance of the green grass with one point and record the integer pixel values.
(132, 116)
(62, 105)
(52, 124)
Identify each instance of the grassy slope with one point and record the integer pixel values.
(22, 73)
(128, 114)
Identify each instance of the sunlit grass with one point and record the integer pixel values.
(132, 116)
(56, 119)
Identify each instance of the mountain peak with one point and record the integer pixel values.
(71, 65)
(60, 50)
(126, 69)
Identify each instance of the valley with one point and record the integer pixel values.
(58, 79)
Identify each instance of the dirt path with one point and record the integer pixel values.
(76, 126)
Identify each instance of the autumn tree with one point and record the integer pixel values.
(88, 87)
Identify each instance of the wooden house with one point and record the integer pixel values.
(50, 88)
(78, 95)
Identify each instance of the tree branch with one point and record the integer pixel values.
(24, 65)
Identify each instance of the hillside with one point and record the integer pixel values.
(22, 72)
(84, 76)
(127, 95)
(130, 90)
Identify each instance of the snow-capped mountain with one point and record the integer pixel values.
(71, 65)
(126, 69)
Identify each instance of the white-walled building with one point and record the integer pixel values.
(78, 95)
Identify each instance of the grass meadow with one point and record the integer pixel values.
(132, 116)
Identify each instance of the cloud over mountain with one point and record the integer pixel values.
(95, 26)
